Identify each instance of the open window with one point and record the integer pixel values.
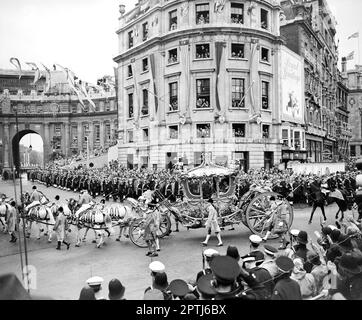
(130, 105)
(264, 23)
(173, 89)
(144, 111)
(203, 130)
(145, 64)
(145, 31)
(238, 130)
(173, 132)
(238, 50)
(266, 131)
(172, 56)
(130, 39)
(238, 92)
(129, 71)
(145, 134)
(237, 13)
(203, 93)
(173, 19)
(265, 55)
(265, 95)
(203, 51)
(202, 13)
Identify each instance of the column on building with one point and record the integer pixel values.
(91, 136)
(47, 145)
(67, 142)
(6, 145)
(102, 134)
(80, 138)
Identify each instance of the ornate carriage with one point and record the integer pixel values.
(254, 209)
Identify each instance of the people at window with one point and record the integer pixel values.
(237, 103)
(172, 58)
(174, 105)
(203, 53)
(237, 19)
(201, 19)
(202, 103)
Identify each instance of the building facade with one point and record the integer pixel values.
(309, 29)
(203, 76)
(355, 108)
(57, 116)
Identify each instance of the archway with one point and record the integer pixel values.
(27, 153)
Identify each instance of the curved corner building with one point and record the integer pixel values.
(204, 76)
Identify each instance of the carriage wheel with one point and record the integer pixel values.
(258, 222)
(135, 233)
(165, 226)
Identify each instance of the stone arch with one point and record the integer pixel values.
(15, 146)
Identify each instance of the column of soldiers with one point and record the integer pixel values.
(119, 183)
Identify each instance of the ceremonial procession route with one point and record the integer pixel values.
(62, 274)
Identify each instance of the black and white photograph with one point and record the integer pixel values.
(180, 150)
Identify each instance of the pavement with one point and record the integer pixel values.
(62, 274)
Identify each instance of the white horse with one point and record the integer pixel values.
(123, 214)
(41, 214)
(4, 208)
(98, 219)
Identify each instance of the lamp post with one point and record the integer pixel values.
(21, 198)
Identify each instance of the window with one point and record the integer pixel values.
(74, 135)
(265, 95)
(173, 89)
(130, 39)
(202, 13)
(108, 106)
(145, 134)
(238, 91)
(173, 19)
(97, 133)
(203, 130)
(266, 131)
(237, 50)
(145, 64)
(144, 111)
(202, 51)
(238, 130)
(353, 151)
(172, 56)
(130, 72)
(264, 19)
(297, 140)
(107, 128)
(285, 137)
(202, 93)
(237, 13)
(130, 136)
(130, 105)
(173, 132)
(264, 54)
(145, 31)
(57, 130)
(74, 108)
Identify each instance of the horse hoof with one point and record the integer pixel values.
(37, 238)
(118, 239)
(77, 245)
(94, 241)
(49, 241)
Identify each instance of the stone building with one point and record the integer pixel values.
(355, 108)
(203, 76)
(309, 29)
(52, 110)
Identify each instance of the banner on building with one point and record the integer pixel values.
(292, 86)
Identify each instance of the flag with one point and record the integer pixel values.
(35, 68)
(49, 80)
(16, 63)
(350, 56)
(353, 36)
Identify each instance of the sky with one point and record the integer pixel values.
(33, 140)
(80, 34)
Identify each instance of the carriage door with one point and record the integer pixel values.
(268, 160)
(243, 160)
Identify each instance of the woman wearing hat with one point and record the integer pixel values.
(212, 224)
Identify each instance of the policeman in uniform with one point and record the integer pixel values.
(285, 287)
(96, 284)
(207, 257)
(205, 289)
(255, 242)
(269, 262)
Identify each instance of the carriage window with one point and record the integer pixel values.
(224, 185)
(207, 190)
(194, 187)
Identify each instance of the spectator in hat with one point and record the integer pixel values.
(305, 280)
(225, 270)
(269, 262)
(255, 242)
(335, 234)
(350, 273)
(160, 282)
(261, 275)
(333, 253)
(179, 289)
(116, 290)
(96, 284)
(345, 243)
(300, 248)
(319, 271)
(207, 257)
(212, 224)
(205, 288)
(324, 240)
(153, 294)
(87, 293)
(285, 288)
